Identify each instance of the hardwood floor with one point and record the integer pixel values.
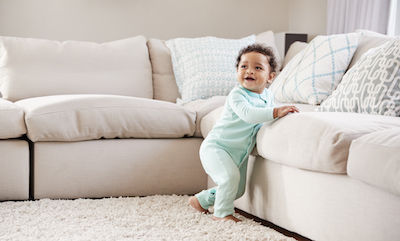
(273, 226)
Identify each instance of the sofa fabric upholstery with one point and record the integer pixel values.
(38, 67)
(88, 117)
(374, 159)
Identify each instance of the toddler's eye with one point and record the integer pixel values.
(243, 66)
(258, 68)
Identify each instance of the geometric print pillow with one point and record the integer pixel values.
(205, 67)
(312, 75)
(372, 85)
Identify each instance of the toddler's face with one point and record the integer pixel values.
(253, 72)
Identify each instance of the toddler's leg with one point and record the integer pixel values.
(223, 170)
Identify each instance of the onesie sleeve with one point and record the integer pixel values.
(248, 113)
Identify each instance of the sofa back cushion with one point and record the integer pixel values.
(164, 85)
(38, 67)
(368, 41)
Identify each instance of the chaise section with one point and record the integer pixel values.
(89, 117)
(124, 167)
(317, 141)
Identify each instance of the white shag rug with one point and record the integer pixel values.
(126, 218)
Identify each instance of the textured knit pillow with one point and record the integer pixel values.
(312, 75)
(205, 67)
(372, 85)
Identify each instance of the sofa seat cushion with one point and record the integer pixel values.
(374, 159)
(317, 141)
(87, 117)
(12, 124)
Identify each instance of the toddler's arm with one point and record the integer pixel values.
(242, 107)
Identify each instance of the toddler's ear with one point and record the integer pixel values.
(271, 77)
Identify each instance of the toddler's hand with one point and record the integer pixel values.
(282, 111)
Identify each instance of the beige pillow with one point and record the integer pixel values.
(88, 117)
(37, 67)
(12, 124)
(317, 141)
(374, 159)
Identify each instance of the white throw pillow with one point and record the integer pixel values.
(312, 75)
(38, 67)
(205, 67)
(372, 85)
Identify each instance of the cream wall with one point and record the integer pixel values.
(106, 20)
(308, 16)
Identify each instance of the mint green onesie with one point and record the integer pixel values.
(225, 150)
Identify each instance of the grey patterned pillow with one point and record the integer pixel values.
(372, 85)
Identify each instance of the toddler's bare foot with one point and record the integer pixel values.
(194, 202)
(229, 217)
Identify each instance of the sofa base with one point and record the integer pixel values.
(319, 206)
(117, 167)
(14, 170)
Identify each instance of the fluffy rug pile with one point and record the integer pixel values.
(136, 218)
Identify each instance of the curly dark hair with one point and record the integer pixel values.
(262, 49)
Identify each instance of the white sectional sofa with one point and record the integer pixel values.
(87, 120)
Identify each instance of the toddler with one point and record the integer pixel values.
(225, 150)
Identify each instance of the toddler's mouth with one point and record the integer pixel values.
(249, 78)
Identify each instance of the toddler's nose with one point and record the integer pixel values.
(250, 71)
